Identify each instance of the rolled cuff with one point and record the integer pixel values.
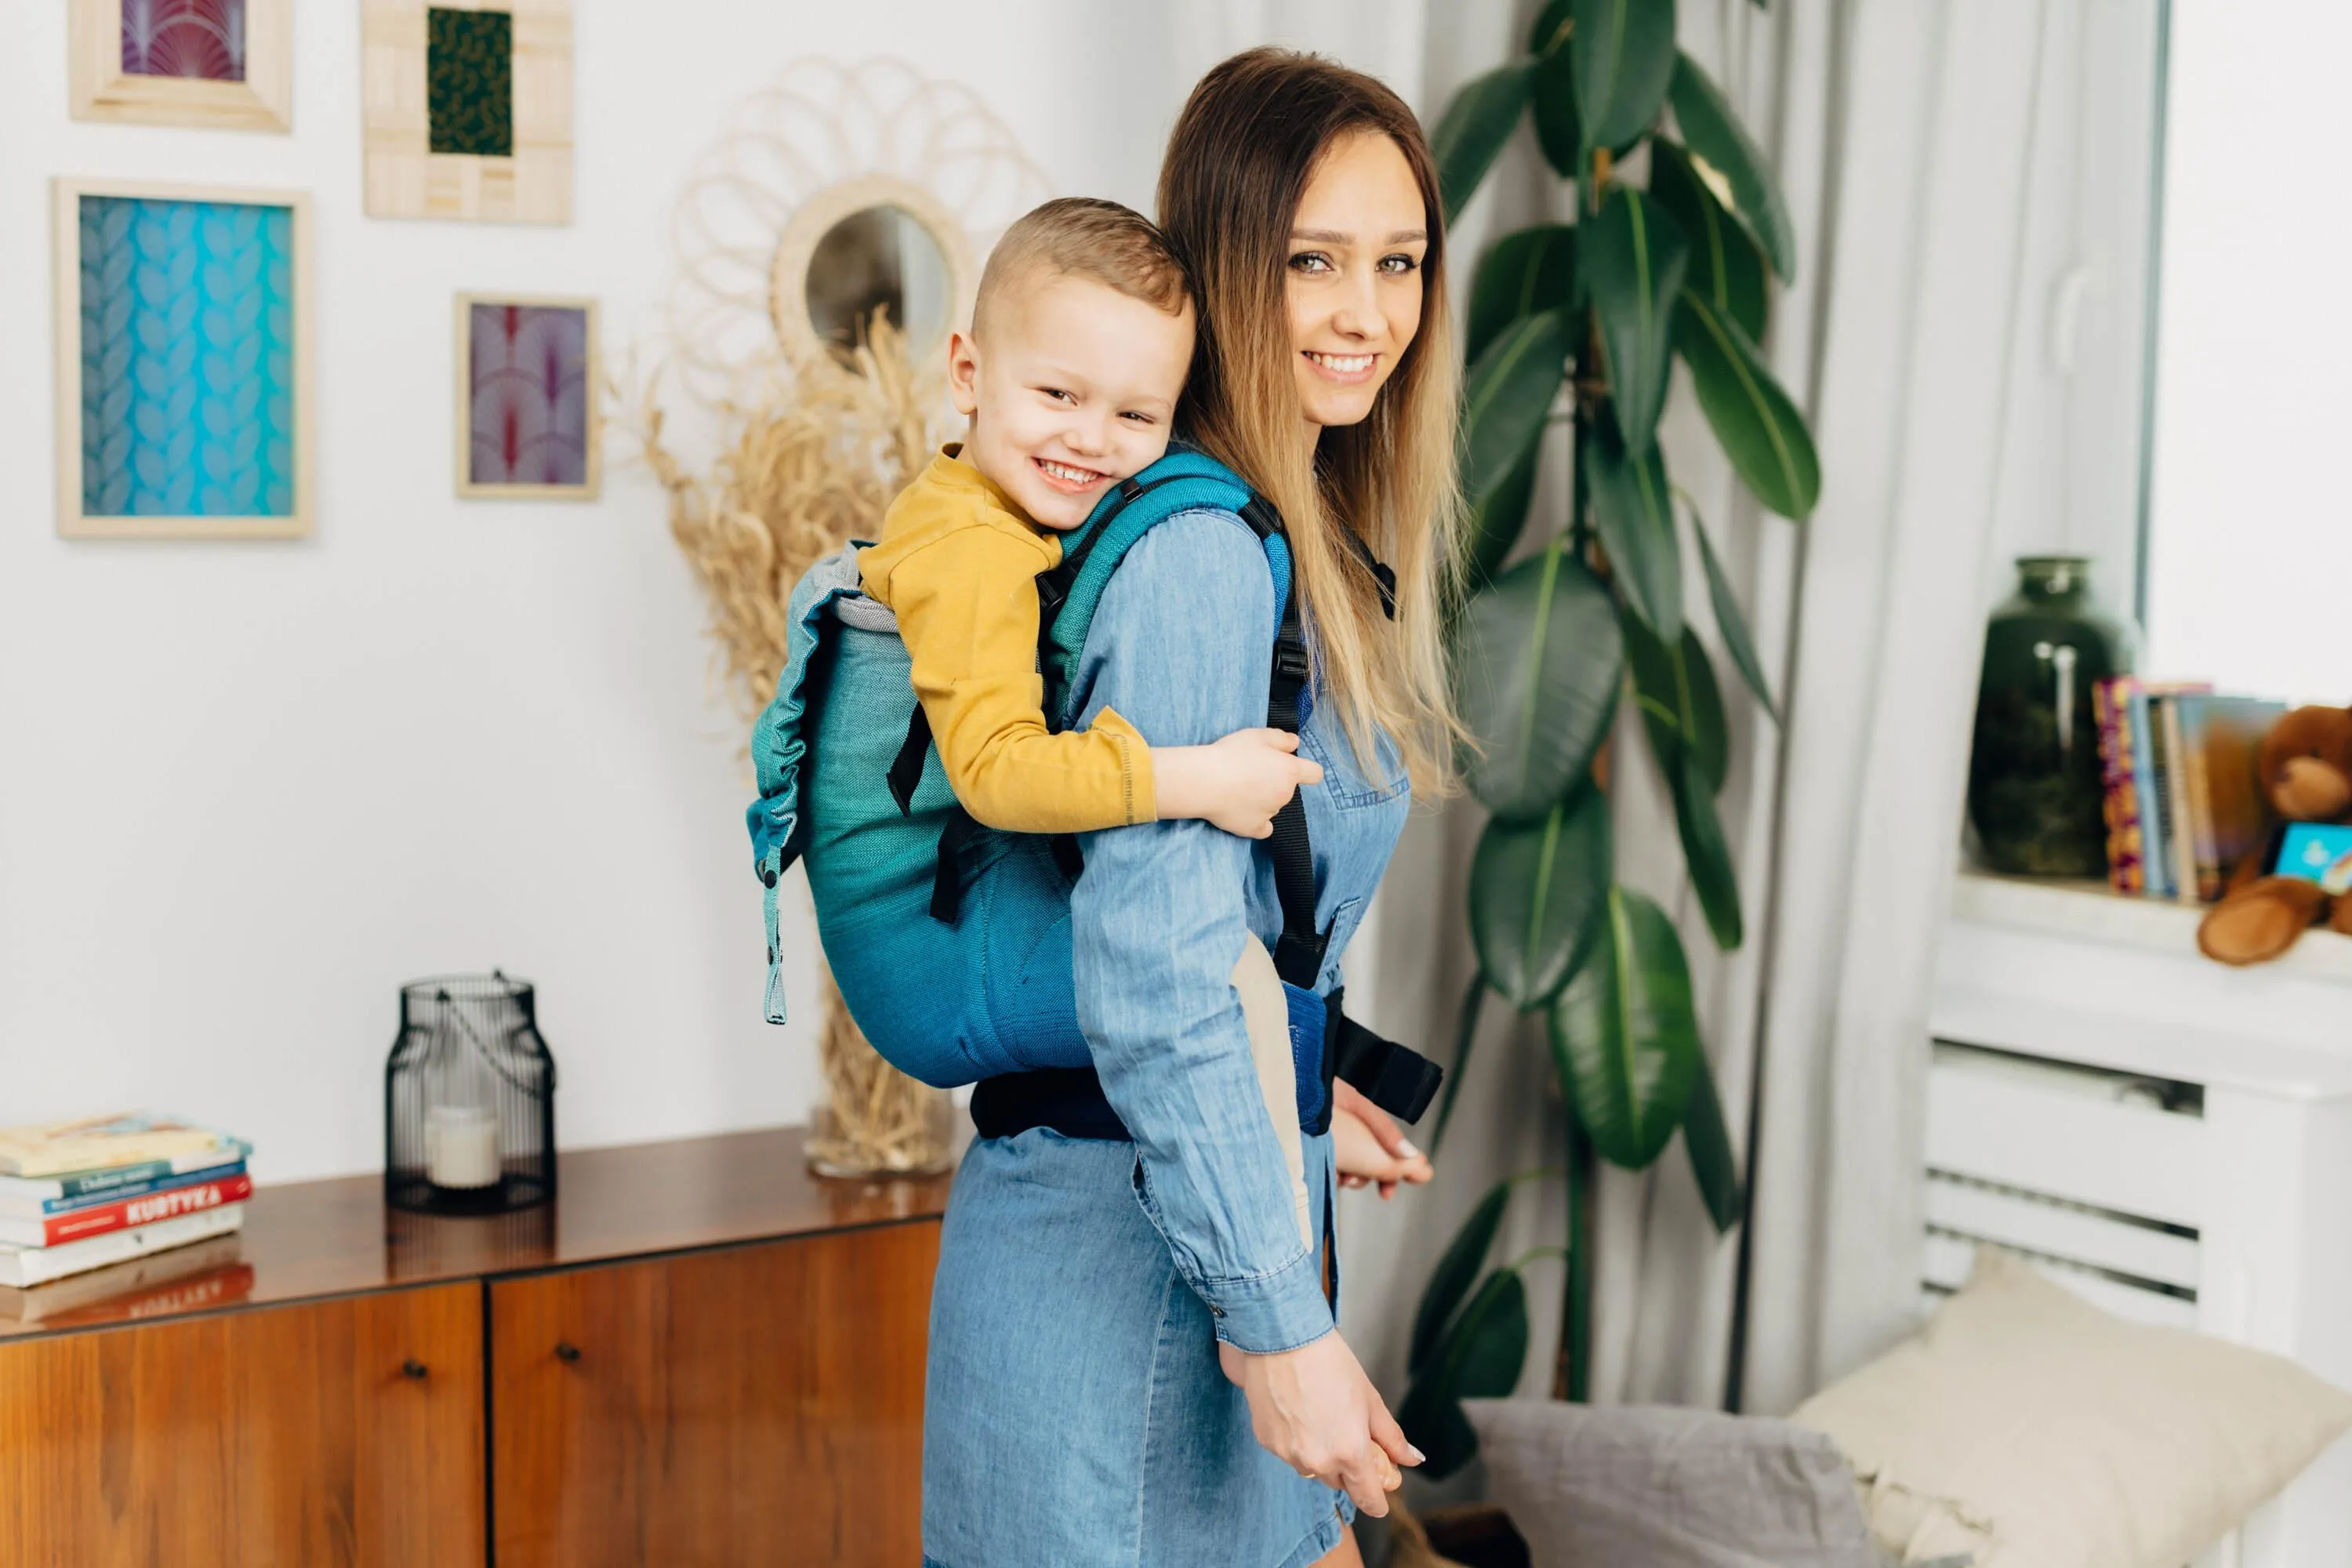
(1142, 793)
(1272, 1312)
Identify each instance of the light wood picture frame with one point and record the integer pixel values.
(185, 360)
(528, 420)
(468, 109)
(219, 64)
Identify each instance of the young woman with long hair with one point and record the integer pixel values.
(1133, 1359)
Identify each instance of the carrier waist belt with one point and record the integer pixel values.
(1324, 1043)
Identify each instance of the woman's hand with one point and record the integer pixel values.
(1369, 1147)
(1314, 1409)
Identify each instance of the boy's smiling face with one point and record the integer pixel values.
(1074, 390)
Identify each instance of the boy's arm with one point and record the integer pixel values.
(967, 608)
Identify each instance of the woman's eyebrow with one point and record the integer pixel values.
(1333, 236)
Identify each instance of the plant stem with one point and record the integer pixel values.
(1572, 1370)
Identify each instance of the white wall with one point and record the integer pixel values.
(246, 789)
(2250, 532)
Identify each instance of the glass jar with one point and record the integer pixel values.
(2035, 789)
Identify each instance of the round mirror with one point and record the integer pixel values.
(881, 258)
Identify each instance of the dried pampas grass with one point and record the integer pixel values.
(813, 466)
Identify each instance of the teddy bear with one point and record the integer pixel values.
(2306, 776)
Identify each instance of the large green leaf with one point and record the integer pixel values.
(1538, 657)
(1481, 1359)
(1509, 396)
(1708, 1143)
(1465, 1035)
(1633, 506)
(1634, 260)
(1730, 622)
(1475, 125)
(1560, 129)
(1707, 852)
(1457, 1270)
(1761, 429)
(1681, 708)
(1625, 1036)
(1715, 133)
(1536, 893)
(1726, 268)
(1526, 270)
(1498, 521)
(1624, 53)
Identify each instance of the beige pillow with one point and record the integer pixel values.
(2026, 1426)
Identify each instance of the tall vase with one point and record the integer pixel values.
(2034, 786)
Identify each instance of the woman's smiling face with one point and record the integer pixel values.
(1354, 278)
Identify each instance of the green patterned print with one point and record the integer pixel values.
(470, 81)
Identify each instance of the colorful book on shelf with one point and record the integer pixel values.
(2178, 806)
(118, 1181)
(2155, 853)
(2111, 702)
(209, 1273)
(24, 1266)
(124, 1213)
(105, 1142)
(2225, 744)
(21, 1198)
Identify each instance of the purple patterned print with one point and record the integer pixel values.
(203, 39)
(529, 376)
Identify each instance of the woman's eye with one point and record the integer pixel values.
(1398, 264)
(1310, 261)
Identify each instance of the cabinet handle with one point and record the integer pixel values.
(412, 1368)
(564, 1351)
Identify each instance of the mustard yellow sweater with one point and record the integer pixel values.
(957, 563)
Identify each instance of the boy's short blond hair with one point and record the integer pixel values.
(1083, 237)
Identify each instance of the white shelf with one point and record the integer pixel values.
(2080, 974)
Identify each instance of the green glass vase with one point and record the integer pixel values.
(2034, 783)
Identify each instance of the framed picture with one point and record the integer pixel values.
(469, 109)
(226, 64)
(184, 358)
(526, 381)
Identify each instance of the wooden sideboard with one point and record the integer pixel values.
(700, 1355)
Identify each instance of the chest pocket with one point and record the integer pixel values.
(1344, 783)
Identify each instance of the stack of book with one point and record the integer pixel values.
(78, 1196)
(2184, 797)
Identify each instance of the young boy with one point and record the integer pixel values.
(1081, 338)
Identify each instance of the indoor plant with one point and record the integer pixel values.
(1580, 325)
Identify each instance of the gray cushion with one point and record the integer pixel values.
(1669, 1487)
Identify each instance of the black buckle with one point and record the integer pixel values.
(1290, 661)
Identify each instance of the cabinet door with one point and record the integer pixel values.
(331, 1434)
(759, 1403)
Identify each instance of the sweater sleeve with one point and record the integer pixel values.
(967, 607)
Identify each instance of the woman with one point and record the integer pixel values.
(1076, 1414)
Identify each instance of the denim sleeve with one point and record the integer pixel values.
(1181, 644)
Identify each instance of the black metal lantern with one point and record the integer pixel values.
(469, 1099)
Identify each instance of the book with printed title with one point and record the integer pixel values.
(125, 1212)
(26, 1198)
(23, 1267)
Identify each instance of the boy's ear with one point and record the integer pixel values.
(964, 372)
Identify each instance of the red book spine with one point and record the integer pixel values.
(77, 1225)
(2111, 702)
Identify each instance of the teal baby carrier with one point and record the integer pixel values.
(950, 942)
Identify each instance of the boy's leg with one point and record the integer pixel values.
(1267, 1008)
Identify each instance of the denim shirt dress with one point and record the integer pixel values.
(1075, 1414)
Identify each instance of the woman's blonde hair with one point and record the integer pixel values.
(1238, 164)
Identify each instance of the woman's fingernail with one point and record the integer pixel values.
(1405, 1150)
(1417, 1455)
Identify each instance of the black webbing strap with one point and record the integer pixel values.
(946, 878)
(1382, 573)
(1054, 582)
(1397, 1079)
(907, 767)
(1298, 952)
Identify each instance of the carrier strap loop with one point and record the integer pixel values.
(947, 879)
(907, 767)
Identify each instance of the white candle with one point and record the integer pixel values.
(461, 1146)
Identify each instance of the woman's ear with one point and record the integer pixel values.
(964, 372)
